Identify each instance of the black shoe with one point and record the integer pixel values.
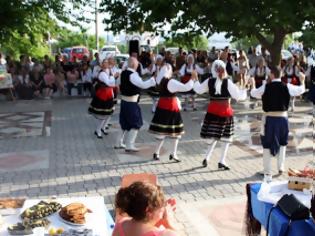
(99, 137)
(172, 157)
(156, 157)
(185, 109)
(222, 166)
(194, 109)
(104, 132)
(280, 172)
(204, 163)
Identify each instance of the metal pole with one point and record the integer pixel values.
(96, 25)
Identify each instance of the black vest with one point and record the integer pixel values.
(276, 97)
(224, 90)
(163, 90)
(313, 74)
(126, 87)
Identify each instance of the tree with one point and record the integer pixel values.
(240, 19)
(308, 38)
(67, 38)
(28, 17)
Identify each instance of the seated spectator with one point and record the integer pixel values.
(22, 83)
(146, 206)
(72, 80)
(86, 76)
(60, 80)
(49, 83)
(37, 82)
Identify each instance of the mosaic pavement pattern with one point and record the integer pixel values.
(24, 124)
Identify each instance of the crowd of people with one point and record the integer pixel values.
(34, 78)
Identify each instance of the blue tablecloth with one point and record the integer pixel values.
(278, 222)
(110, 223)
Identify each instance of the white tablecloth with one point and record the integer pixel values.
(99, 221)
(273, 191)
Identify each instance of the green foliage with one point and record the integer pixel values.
(122, 48)
(239, 19)
(188, 41)
(308, 38)
(69, 38)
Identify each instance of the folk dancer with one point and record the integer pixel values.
(102, 105)
(218, 124)
(130, 117)
(185, 74)
(259, 73)
(291, 75)
(275, 129)
(167, 120)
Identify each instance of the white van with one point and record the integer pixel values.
(108, 51)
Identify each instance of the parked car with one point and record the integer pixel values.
(66, 52)
(108, 50)
(120, 59)
(78, 53)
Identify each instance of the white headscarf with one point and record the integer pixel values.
(159, 57)
(192, 57)
(218, 82)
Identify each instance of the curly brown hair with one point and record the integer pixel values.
(139, 198)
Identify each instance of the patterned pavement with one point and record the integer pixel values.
(47, 148)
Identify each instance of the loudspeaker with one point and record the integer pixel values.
(134, 46)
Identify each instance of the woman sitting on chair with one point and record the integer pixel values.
(146, 206)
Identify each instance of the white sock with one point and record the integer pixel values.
(224, 153)
(106, 122)
(267, 161)
(158, 149)
(281, 158)
(99, 127)
(175, 147)
(211, 149)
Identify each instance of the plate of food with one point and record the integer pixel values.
(74, 214)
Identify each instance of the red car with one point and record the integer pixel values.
(77, 53)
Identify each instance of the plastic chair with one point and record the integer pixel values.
(128, 179)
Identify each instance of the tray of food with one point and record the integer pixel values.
(301, 179)
(10, 206)
(74, 214)
(41, 210)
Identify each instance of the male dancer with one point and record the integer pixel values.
(130, 117)
(276, 99)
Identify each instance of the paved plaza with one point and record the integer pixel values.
(47, 148)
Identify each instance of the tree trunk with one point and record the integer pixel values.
(275, 47)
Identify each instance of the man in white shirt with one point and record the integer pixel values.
(130, 117)
(275, 98)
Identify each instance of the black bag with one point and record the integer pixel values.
(292, 208)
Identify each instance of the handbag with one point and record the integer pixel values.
(292, 208)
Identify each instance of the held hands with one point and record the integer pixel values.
(302, 77)
(194, 75)
(168, 216)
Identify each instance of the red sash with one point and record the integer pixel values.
(105, 93)
(184, 79)
(168, 103)
(220, 108)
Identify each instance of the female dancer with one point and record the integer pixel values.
(218, 123)
(102, 105)
(167, 121)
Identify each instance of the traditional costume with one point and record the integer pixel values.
(311, 74)
(218, 123)
(291, 76)
(102, 105)
(185, 74)
(130, 117)
(167, 120)
(260, 74)
(275, 129)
